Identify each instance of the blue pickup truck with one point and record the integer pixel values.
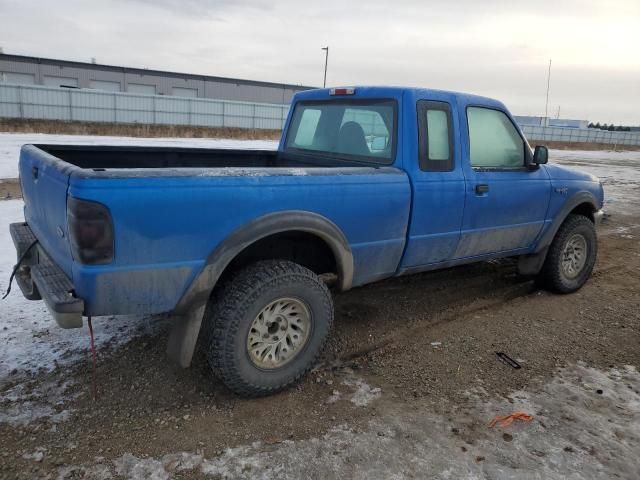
(367, 183)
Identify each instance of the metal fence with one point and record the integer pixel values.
(52, 103)
(587, 135)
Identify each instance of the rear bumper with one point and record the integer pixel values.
(40, 278)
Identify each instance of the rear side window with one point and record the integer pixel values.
(434, 136)
(494, 141)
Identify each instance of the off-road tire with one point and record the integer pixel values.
(232, 309)
(552, 275)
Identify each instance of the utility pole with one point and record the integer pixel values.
(546, 105)
(326, 60)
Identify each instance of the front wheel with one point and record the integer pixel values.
(267, 326)
(571, 257)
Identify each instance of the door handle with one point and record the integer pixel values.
(482, 188)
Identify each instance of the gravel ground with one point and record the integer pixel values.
(406, 390)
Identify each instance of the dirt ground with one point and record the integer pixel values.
(409, 382)
(10, 188)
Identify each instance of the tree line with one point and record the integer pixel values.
(610, 128)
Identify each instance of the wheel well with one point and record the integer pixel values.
(303, 248)
(585, 209)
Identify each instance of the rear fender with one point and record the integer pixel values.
(200, 289)
(190, 309)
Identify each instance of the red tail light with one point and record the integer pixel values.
(90, 231)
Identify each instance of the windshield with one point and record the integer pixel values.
(355, 129)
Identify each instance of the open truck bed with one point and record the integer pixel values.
(99, 158)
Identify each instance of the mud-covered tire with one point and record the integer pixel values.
(234, 307)
(554, 275)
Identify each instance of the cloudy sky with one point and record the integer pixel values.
(498, 48)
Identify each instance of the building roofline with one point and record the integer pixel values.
(145, 71)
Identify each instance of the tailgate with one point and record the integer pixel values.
(44, 180)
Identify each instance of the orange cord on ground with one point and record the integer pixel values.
(506, 420)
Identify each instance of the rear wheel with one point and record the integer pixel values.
(267, 326)
(571, 257)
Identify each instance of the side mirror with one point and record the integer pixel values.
(540, 155)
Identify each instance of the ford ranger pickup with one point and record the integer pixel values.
(367, 183)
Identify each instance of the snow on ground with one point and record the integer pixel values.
(586, 425)
(618, 171)
(10, 144)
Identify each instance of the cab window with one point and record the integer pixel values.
(494, 141)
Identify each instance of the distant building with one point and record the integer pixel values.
(62, 73)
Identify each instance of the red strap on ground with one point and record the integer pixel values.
(93, 354)
(506, 420)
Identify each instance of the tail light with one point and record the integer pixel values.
(90, 231)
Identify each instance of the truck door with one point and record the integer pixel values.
(434, 166)
(506, 202)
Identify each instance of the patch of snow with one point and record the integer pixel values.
(134, 468)
(36, 456)
(31, 400)
(364, 394)
(93, 472)
(335, 396)
(10, 144)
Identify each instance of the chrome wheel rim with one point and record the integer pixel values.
(278, 333)
(574, 256)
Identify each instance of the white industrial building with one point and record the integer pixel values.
(24, 70)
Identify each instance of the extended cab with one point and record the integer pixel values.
(367, 183)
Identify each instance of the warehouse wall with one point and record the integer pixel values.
(38, 71)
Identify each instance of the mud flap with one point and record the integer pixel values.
(532, 264)
(184, 336)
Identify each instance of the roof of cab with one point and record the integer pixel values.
(397, 91)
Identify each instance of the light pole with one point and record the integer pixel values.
(326, 60)
(546, 105)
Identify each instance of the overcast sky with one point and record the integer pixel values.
(498, 48)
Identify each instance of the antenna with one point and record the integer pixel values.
(326, 60)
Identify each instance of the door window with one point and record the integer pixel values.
(494, 141)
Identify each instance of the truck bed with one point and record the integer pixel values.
(99, 158)
(172, 207)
